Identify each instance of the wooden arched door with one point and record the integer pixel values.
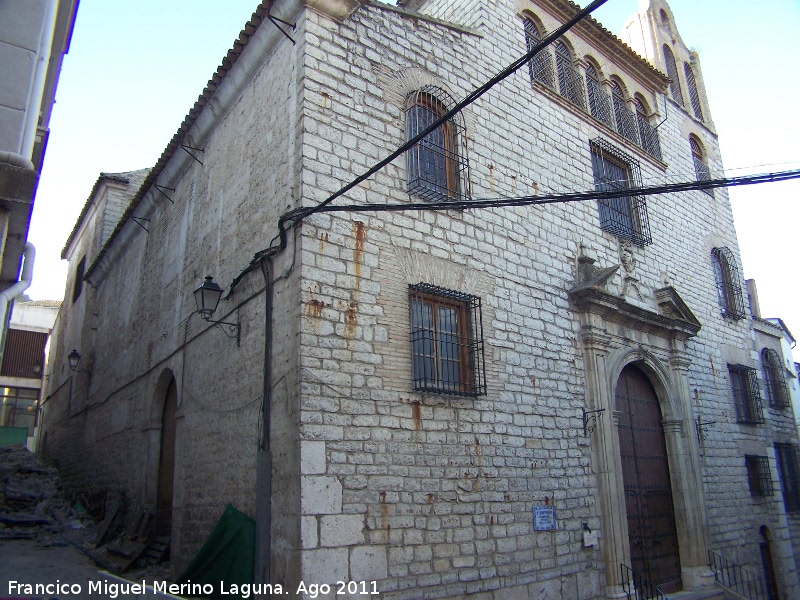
(648, 493)
(166, 464)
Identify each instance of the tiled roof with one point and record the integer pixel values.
(47, 303)
(132, 178)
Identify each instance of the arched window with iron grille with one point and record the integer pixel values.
(701, 170)
(774, 381)
(694, 97)
(626, 122)
(541, 65)
(569, 84)
(647, 133)
(729, 284)
(599, 104)
(438, 169)
(672, 73)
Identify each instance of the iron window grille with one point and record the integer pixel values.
(786, 459)
(746, 394)
(626, 121)
(446, 341)
(694, 97)
(438, 169)
(759, 478)
(774, 381)
(626, 215)
(672, 73)
(541, 65)
(729, 286)
(569, 83)
(648, 135)
(599, 103)
(701, 170)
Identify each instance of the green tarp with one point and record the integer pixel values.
(13, 435)
(227, 556)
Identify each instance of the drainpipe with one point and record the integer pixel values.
(7, 295)
(39, 79)
(263, 550)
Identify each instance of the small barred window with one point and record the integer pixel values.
(626, 120)
(569, 83)
(774, 381)
(759, 478)
(701, 170)
(446, 341)
(541, 65)
(438, 169)
(648, 135)
(746, 395)
(599, 103)
(729, 285)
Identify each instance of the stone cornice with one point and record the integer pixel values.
(674, 324)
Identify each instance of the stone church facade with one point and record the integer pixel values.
(511, 401)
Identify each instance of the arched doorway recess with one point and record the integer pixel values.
(166, 465)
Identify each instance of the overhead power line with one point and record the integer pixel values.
(293, 218)
(668, 188)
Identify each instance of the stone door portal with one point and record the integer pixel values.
(648, 493)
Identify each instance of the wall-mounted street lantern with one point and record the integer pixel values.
(74, 359)
(206, 297)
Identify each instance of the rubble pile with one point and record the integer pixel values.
(32, 505)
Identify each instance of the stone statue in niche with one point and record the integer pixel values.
(630, 283)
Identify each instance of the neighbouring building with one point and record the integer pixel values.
(34, 37)
(23, 368)
(551, 400)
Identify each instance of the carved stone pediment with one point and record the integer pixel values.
(674, 319)
(670, 304)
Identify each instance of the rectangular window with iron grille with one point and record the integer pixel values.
(758, 475)
(446, 341)
(788, 471)
(746, 394)
(624, 215)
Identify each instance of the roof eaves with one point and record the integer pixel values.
(569, 8)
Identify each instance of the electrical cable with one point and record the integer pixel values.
(669, 188)
(294, 217)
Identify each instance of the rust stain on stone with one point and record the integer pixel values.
(350, 319)
(384, 511)
(416, 412)
(323, 238)
(358, 252)
(314, 307)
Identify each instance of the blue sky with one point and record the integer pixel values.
(135, 69)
